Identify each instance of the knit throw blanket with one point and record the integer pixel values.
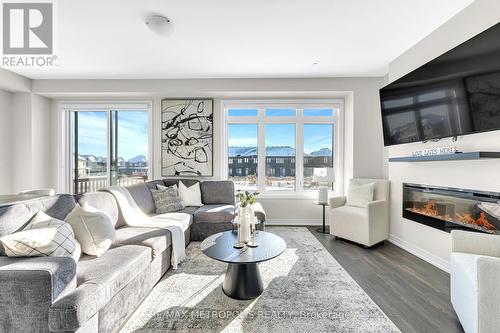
(135, 217)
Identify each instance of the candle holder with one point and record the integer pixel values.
(253, 232)
(239, 244)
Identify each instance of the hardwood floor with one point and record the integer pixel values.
(414, 294)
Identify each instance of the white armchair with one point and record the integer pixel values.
(364, 225)
(475, 273)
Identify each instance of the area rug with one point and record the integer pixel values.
(306, 290)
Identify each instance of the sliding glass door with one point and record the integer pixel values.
(109, 147)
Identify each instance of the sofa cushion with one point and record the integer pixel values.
(158, 240)
(98, 280)
(214, 214)
(103, 201)
(16, 216)
(142, 197)
(350, 213)
(217, 192)
(189, 210)
(178, 216)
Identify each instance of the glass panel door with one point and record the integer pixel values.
(110, 147)
(90, 139)
(130, 148)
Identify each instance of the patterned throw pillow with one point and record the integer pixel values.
(166, 200)
(43, 236)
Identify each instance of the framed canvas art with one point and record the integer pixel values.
(187, 137)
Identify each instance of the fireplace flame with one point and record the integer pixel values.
(482, 221)
(430, 209)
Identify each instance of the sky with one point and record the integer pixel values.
(132, 133)
(316, 136)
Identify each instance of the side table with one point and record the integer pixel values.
(323, 230)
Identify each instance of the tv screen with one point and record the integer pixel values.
(456, 94)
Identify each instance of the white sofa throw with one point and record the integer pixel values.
(134, 216)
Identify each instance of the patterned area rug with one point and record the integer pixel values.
(306, 290)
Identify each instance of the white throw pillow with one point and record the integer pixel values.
(94, 230)
(359, 194)
(190, 196)
(43, 236)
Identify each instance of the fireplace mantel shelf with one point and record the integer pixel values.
(474, 155)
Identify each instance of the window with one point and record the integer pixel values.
(280, 112)
(107, 146)
(318, 153)
(242, 141)
(278, 144)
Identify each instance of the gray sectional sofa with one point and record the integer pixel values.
(98, 294)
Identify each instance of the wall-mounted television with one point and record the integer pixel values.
(456, 94)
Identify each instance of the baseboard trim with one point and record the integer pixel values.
(421, 253)
(301, 222)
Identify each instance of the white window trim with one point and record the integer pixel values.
(261, 120)
(64, 131)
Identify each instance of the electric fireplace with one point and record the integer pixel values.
(447, 208)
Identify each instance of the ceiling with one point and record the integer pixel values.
(238, 39)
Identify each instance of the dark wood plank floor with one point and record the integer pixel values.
(414, 294)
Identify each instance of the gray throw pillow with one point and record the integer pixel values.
(166, 200)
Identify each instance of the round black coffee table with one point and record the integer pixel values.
(242, 279)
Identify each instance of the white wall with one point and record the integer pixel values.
(22, 159)
(13, 82)
(42, 147)
(5, 141)
(363, 134)
(31, 152)
(432, 244)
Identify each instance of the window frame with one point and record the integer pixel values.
(65, 133)
(337, 120)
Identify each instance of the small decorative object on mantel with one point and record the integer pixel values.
(246, 215)
(435, 151)
(186, 137)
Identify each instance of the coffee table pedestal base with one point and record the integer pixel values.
(242, 281)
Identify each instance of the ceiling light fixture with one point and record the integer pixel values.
(159, 24)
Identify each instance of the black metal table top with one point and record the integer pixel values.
(220, 247)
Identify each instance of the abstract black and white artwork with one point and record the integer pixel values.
(187, 137)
